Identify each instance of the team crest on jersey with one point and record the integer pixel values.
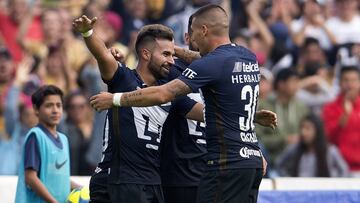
(148, 122)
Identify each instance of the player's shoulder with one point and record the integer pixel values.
(123, 79)
(180, 64)
(124, 69)
(122, 75)
(229, 52)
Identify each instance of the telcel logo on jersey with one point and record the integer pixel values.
(189, 73)
(246, 152)
(245, 73)
(245, 67)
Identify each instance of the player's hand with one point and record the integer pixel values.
(83, 24)
(266, 118)
(102, 101)
(264, 164)
(117, 54)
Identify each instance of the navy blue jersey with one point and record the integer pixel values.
(228, 78)
(135, 159)
(183, 146)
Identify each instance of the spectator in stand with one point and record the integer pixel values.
(97, 7)
(266, 84)
(75, 50)
(241, 37)
(78, 127)
(50, 28)
(281, 14)
(315, 86)
(262, 40)
(10, 24)
(311, 53)
(136, 17)
(57, 31)
(289, 112)
(109, 30)
(18, 117)
(341, 118)
(56, 70)
(345, 26)
(312, 24)
(312, 156)
(179, 21)
(314, 89)
(11, 148)
(6, 70)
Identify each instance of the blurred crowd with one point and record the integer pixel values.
(308, 50)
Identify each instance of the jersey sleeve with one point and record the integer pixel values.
(32, 155)
(182, 105)
(118, 77)
(200, 73)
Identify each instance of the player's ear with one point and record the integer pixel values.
(36, 110)
(145, 54)
(204, 30)
(187, 38)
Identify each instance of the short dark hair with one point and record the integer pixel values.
(149, 33)
(310, 41)
(213, 16)
(283, 75)
(205, 9)
(39, 95)
(189, 24)
(352, 68)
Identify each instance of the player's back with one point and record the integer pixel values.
(229, 81)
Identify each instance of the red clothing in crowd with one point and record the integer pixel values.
(8, 32)
(347, 138)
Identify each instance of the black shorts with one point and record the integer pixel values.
(180, 194)
(98, 188)
(232, 185)
(135, 193)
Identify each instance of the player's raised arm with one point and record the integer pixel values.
(149, 96)
(106, 61)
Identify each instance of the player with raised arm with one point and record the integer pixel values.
(129, 171)
(228, 76)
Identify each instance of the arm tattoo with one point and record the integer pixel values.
(131, 98)
(155, 95)
(188, 55)
(178, 88)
